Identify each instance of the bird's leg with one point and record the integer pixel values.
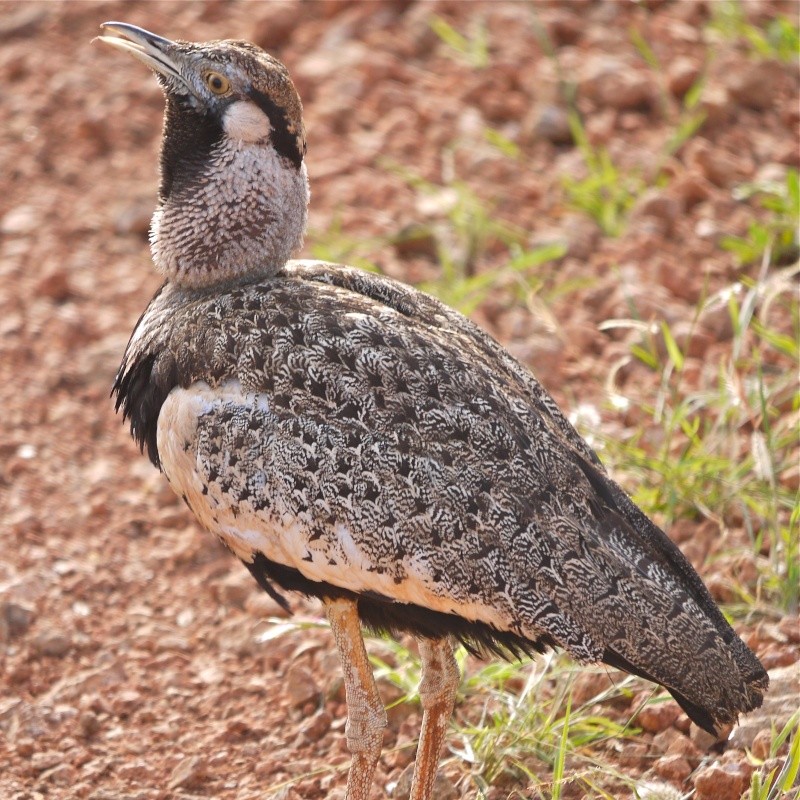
(437, 693)
(366, 716)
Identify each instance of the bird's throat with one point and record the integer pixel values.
(229, 210)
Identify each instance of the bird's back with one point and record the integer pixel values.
(345, 434)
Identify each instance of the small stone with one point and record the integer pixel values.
(46, 760)
(690, 189)
(716, 107)
(188, 773)
(658, 717)
(702, 740)
(316, 727)
(721, 782)
(751, 85)
(415, 241)
(589, 685)
(17, 616)
(260, 604)
(61, 775)
(22, 22)
(20, 220)
(673, 768)
(762, 744)
(52, 643)
(682, 74)
(716, 319)
(718, 167)
(789, 626)
(301, 687)
(134, 218)
(635, 755)
(660, 206)
(88, 724)
(135, 772)
(126, 702)
(55, 285)
(564, 26)
(552, 124)
(684, 747)
(608, 81)
(232, 592)
(25, 748)
(663, 740)
(582, 234)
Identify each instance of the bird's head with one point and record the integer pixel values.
(233, 192)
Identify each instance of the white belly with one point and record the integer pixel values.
(282, 534)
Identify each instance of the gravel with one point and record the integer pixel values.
(140, 662)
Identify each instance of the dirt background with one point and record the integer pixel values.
(136, 660)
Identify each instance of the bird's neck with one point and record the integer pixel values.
(229, 211)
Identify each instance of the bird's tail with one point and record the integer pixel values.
(680, 639)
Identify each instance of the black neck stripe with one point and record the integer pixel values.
(189, 139)
(285, 143)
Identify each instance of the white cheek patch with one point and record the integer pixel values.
(246, 122)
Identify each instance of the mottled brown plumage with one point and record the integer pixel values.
(353, 439)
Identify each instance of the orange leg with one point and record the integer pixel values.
(437, 692)
(366, 717)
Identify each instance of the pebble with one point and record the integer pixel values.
(135, 772)
(134, 218)
(691, 188)
(682, 73)
(582, 236)
(717, 166)
(635, 755)
(702, 740)
(684, 747)
(762, 742)
(721, 781)
(750, 85)
(563, 25)
(660, 206)
(18, 617)
(126, 702)
(715, 318)
(658, 717)
(22, 22)
(55, 285)
(789, 626)
(20, 220)
(188, 772)
(316, 727)
(589, 685)
(552, 124)
(231, 591)
(301, 686)
(52, 643)
(608, 81)
(45, 760)
(61, 775)
(716, 107)
(88, 724)
(673, 768)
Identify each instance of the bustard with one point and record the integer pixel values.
(355, 440)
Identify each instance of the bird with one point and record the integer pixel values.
(352, 439)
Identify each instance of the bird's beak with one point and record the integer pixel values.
(160, 54)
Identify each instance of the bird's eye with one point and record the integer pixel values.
(217, 82)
